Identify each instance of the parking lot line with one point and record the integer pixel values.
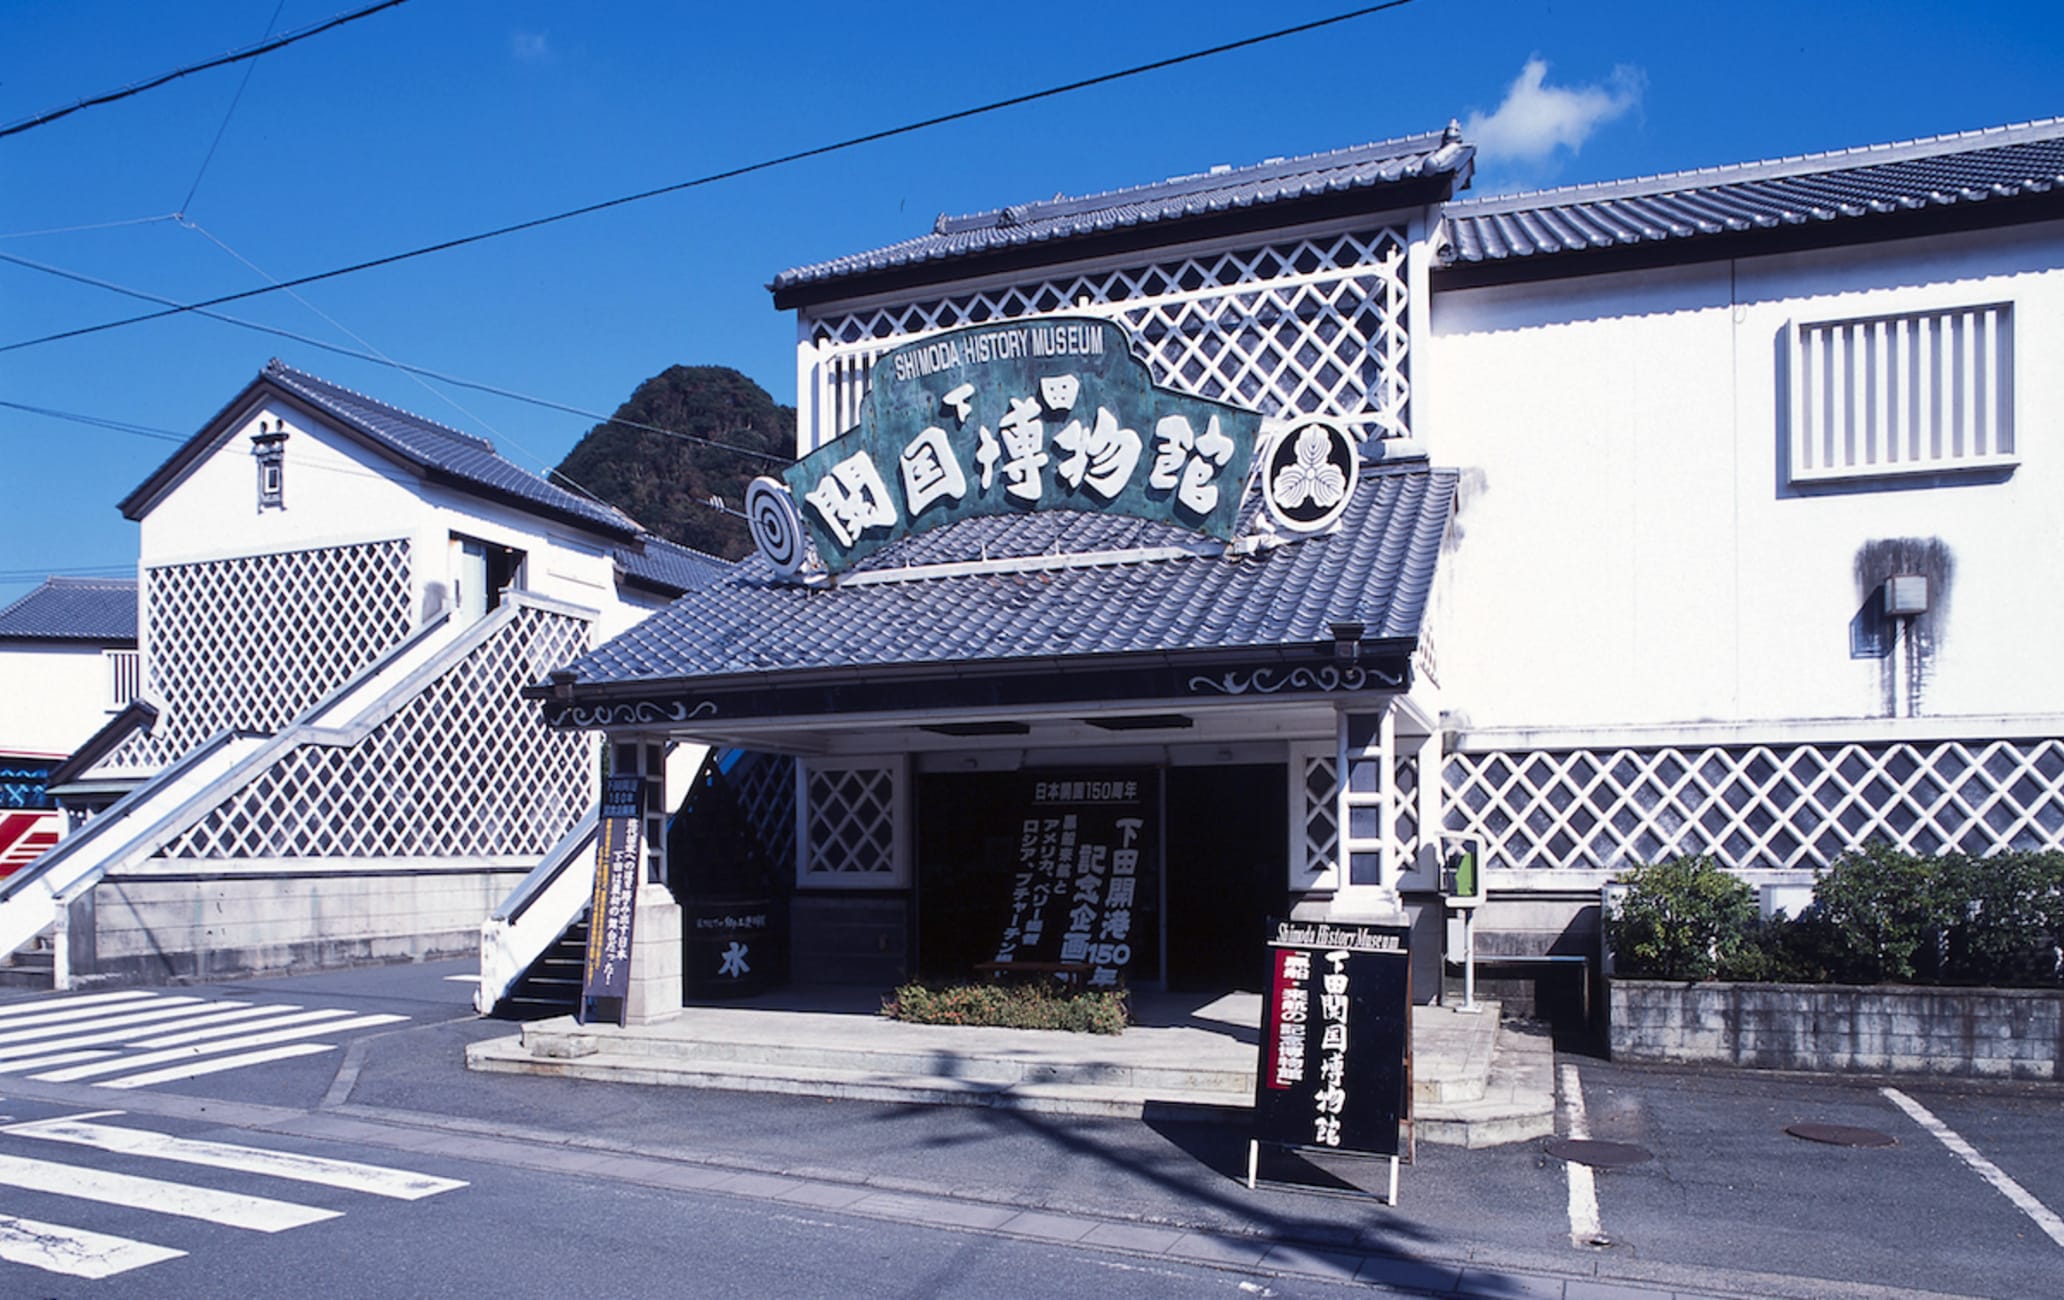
(2044, 1217)
(1584, 1226)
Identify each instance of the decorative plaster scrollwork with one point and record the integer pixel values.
(628, 715)
(1269, 681)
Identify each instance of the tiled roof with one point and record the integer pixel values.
(1377, 570)
(661, 565)
(1278, 181)
(1997, 165)
(444, 451)
(74, 609)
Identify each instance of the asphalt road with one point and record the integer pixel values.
(588, 1188)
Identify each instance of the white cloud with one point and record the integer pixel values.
(530, 47)
(1536, 119)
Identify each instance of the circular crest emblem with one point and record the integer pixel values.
(777, 528)
(1310, 475)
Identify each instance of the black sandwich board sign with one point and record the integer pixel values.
(1335, 1070)
(606, 974)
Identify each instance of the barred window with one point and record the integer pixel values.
(1922, 392)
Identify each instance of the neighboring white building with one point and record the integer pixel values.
(329, 762)
(67, 661)
(1751, 505)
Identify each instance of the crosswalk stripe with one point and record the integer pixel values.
(72, 1074)
(231, 1209)
(378, 1180)
(215, 1065)
(157, 1039)
(36, 1005)
(61, 1058)
(75, 1252)
(180, 1018)
(98, 1018)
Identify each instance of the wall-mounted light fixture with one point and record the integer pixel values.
(1906, 595)
(1347, 642)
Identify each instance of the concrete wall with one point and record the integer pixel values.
(844, 940)
(1987, 1033)
(140, 930)
(1630, 550)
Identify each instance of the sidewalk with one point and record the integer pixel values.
(1476, 1082)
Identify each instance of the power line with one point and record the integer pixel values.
(97, 422)
(733, 173)
(234, 56)
(716, 444)
(234, 100)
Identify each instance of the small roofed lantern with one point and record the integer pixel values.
(269, 449)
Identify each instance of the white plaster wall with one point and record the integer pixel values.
(336, 493)
(1628, 551)
(53, 696)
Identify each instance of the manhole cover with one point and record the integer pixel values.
(1590, 1151)
(1842, 1135)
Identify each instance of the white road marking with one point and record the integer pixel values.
(462, 979)
(378, 1180)
(74, 1073)
(271, 1022)
(1585, 1229)
(60, 1058)
(97, 1018)
(215, 1065)
(40, 1005)
(231, 1209)
(186, 1017)
(75, 1252)
(2044, 1217)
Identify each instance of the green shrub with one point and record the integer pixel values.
(1008, 1006)
(1777, 950)
(1684, 918)
(2011, 917)
(1883, 914)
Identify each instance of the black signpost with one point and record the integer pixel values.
(1335, 1071)
(606, 974)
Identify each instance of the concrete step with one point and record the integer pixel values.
(1480, 1086)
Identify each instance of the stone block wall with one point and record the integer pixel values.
(1884, 1029)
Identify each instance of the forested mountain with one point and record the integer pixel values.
(665, 482)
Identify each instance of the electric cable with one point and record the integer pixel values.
(731, 173)
(234, 56)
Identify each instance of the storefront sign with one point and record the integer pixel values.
(1084, 870)
(1335, 1069)
(606, 974)
(1005, 419)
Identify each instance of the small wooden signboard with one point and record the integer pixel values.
(1335, 1068)
(606, 974)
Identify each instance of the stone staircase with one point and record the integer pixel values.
(1475, 1083)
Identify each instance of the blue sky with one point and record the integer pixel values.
(444, 117)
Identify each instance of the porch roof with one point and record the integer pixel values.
(1093, 591)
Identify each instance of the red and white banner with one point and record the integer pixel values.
(26, 836)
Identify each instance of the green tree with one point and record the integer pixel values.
(667, 482)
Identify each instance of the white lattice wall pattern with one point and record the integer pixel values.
(1319, 811)
(465, 768)
(852, 826)
(1758, 806)
(765, 786)
(253, 641)
(1311, 327)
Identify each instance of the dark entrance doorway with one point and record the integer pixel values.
(1227, 832)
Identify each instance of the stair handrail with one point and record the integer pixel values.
(536, 912)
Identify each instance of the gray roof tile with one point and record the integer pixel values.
(1940, 172)
(653, 561)
(74, 609)
(1377, 570)
(1280, 181)
(439, 449)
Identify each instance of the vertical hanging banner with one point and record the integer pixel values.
(1083, 890)
(1336, 1046)
(619, 849)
